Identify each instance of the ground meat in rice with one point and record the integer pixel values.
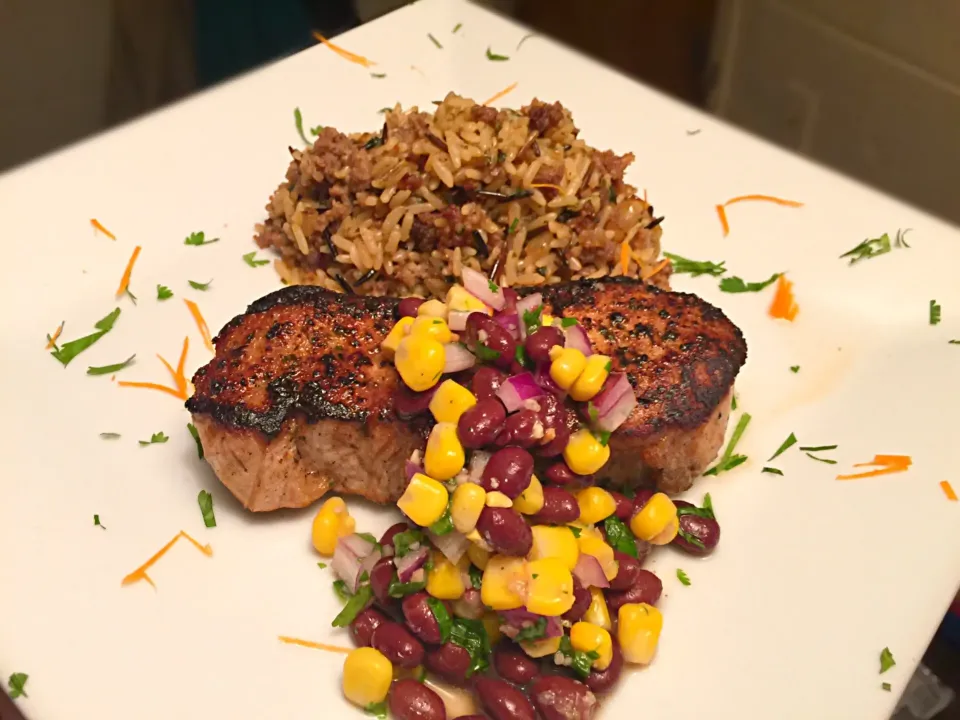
(467, 185)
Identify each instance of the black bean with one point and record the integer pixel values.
(386, 540)
(420, 618)
(450, 661)
(364, 624)
(479, 426)
(505, 530)
(381, 576)
(540, 341)
(514, 665)
(490, 342)
(627, 572)
(522, 428)
(558, 697)
(508, 471)
(502, 701)
(412, 700)
(601, 681)
(559, 507)
(646, 588)
(486, 382)
(397, 644)
(702, 531)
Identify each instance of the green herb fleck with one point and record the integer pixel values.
(443, 526)
(872, 247)
(784, 446)
(575, 530)
(322, 565)
(385, 110)
(886, 660)
(532, 318)
(353, 607)
(110, 436)
(471, 635)
(486, 354)
(520, 355)
(199, 285)
(885, 686)
(493, 286)
(456, 28)
(196, 438)
(198, 238)
(164, 293)
(733, 402)
(567, 322)
(205, 500)
(737, 285)
(816, 448)
(398, 589)
(580, 662)
(403, 542)
(298, 122)
(728, 460)
(536, 631)
(434, 41)
(378, 710)
(108, 369)
(934, 312)
(602, 436)
(68, 351)
(619, 536)
(444, 621)
(378, 76)
(513, 226)
(251, 259)
(592, 412)
(695, 267)
(496, 58)
(156, 439)
(612, 194)
(609, 366)
(340, 588)
(828, 461)
(16, 683)
(794, 369)
(316, 130)
(476, 576)
(97, 523)
(772, 471)
(682, 577)
(953, 342)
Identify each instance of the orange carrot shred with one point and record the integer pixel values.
(182, 395)
(52, 339)
(653, 270)
(125, 280)
(624, 257)
(948, 490)
(722, 214)
(314, 645)
(506, 90)
(345, 54)
(141, 572)
(201, 324)
(97, 226)
(889, 464)
(784, 305)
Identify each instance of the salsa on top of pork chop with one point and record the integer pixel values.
(300, 399)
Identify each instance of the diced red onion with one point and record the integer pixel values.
(509, 322)
(516, 620)
(370, 560)
(478, 461)
(617, 415)
(516, 390)
(419, 575)
(614, 387)
(530, 302)
(410, 469)
(457, 358)
(453, 545)
(469, 605)
(410, 563)
(577, 339)
(457, 320)
(478, 285)
(589, 572)
(359, 546)
(542, 377)
(348, 557)
(510, 298)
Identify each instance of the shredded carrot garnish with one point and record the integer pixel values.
(507, 89)
(201, 324)
(52, 339)
(624, 257)
(345, 54)
(722, 213)
(653, 270)
(548, 185)
(948, 490)
(314, 645)
(125, 280)
(179, 379)
(97, 226)
(889, 464)
(141, 572)
(153, 386)
(784, 305)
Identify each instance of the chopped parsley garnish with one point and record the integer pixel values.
(567, 322)
(532, 318)
(107, 369)
(444, 621)
(609, 366)
(298, 121)
(456, 28)
(705, 511)
(772, 471)
(493, 286)
(378, 710)
(205, 500)
(354, 607)
(398, 589)
(378, 76)
(16, 683)
(322, 565)
(737, 285)
(476, 576)
(251, 259)
(602, 436)
(695, 267)
(97, 523)
(198, 238)
(434, 41)
(471, 635)
(574, 530)
(155, 439)
(693, 132)
(828, 461)
(934, 312)
(536, 631)
(199, 285)
(733, 402)
(682, 577)
(513, 225)
(784, 446)
(619, 536)
(592, 412)
(520, 355)
(340, 588)
(316, 130)
(794, 369)
(612, 194)
(885, 686)
(164, 293)
(886, 660)
(580, 662)
(496, 58)
(370, 538)
(728, 460)
(110, 436)
(196, 438)
(68, 351)
(486, 354)
(403, 541)
(953, 342)
(872, 247)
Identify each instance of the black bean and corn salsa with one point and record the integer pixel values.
(514, 573)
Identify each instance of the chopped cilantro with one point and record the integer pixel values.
(68, 351)
(567, 322)
(872, 247)
(574, 530)
(444, 621)
(602, 436)
(164, 293)
(155, 439)
(97, 523)
(107, 369)
(695, 267)
(199, 285)
(816, 448)
(520, 355)
(353, 607)
(398, 589)
(251, 259)
(298, 122)
(592, 412)
(733, 402)
(476, 576)
(196, 438)
(934, 312)
(322, 565)
(205, 500)
(403, 541)
(794, 369)
(471, 635)
(486, 354)
(496, 58)
(772, 471)
(619, 536)
(443, 526)
(435, 41)
(378, 76)
(532, 318)
(198, 239)
(16, 683)
(580, 662)
(456, 27)
(784, 446)
(828, 461)
(340, 588)
(737, 285)
(728, 460)
(513, 225)
(886, 660)
(385, 110)
(493, 286)
(953, 342)
(378, 710)
(536, 631)
(885, 686)
(609, 366)
(682, 577)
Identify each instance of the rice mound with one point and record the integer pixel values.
(514, 194)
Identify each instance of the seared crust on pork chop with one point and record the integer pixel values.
(299, 399)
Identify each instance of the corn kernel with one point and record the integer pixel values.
(424, 501)
(592, 378)
(597, 612)
(666, 536)
(584, 453)
(444, 456)
(466, 506)
(654, 517)
(432, 308)
(332, 522)
(459, 300)
(587, 637)
(638, 632)
(450, 401)
(566, 364)
(550, 591)
(504, 583)
(398, 333)
(596, 504)
(476, 539)
(546, 319)
(491, 623)
(478, 556)
(591, 543)
(367, 675)
(556, 542)
(498, 499)
(420, 360)
(431, 327)
(444, 580)
(530, 501)
(541, 648)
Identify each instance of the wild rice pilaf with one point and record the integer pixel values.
(514, 194)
